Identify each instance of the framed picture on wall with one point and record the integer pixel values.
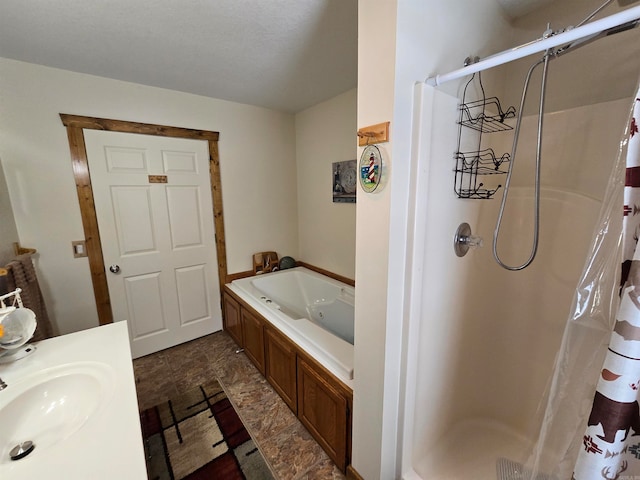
(344, 179)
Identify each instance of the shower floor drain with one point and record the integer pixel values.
(510, 470)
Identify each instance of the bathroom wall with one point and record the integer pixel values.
(376, 74)
(257, 156)
(325, 133)
(600, 72)
(400, 43)
(589, 132)
(458, 377)
(580, 147)
(8, 230)
(431, 38)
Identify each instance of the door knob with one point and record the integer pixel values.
(114, 268)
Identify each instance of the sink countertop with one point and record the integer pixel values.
(109, 445)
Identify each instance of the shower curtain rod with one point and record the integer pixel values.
(539, 45)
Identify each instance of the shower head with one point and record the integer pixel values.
(621, 28)
(596, 36)
(622, 3)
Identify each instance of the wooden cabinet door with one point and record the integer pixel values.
(253, 338)
(232, 322)
(323, 410)
(280, 366)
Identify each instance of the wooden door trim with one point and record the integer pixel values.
(76, 125)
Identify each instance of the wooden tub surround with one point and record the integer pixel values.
(322, 402)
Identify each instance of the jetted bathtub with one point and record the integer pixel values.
(313, 310)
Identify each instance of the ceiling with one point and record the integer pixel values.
(281, 54)
(518, 8)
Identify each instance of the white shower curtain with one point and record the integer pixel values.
(611, 442)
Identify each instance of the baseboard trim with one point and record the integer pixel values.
(327, 273)
(352, 474)
(250, 273)
(234, 276)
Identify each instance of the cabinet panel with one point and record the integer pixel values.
(253, 339)
(323, 410)
(231, 321)
(280, 366)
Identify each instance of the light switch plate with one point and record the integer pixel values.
(79, 248)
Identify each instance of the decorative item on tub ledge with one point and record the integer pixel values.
(265, 262)
(287, 262)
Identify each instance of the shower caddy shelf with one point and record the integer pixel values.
(478, 162)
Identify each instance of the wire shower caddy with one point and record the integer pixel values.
(484, 115)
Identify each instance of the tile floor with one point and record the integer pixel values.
(285, 444)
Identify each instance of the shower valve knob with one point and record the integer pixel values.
(463, 240)
(472, 241)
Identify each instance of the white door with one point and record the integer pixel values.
(158, 239)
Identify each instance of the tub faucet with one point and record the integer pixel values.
(2, 384)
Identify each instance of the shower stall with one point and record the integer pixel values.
(481, 357)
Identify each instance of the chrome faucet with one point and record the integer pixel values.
(2, 384)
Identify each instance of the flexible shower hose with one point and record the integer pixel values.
(536, 228)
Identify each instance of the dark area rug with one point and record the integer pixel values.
(199, 436)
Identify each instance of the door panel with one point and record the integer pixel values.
(253, 338)
(144, 302)
(153, 203)
(185, 218)
(232, 321)
(192, 287)
(133, 220)
(179, 162)
(125, 160)
(280, 366)
(323, 410)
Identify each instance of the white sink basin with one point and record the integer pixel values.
(51, 405)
